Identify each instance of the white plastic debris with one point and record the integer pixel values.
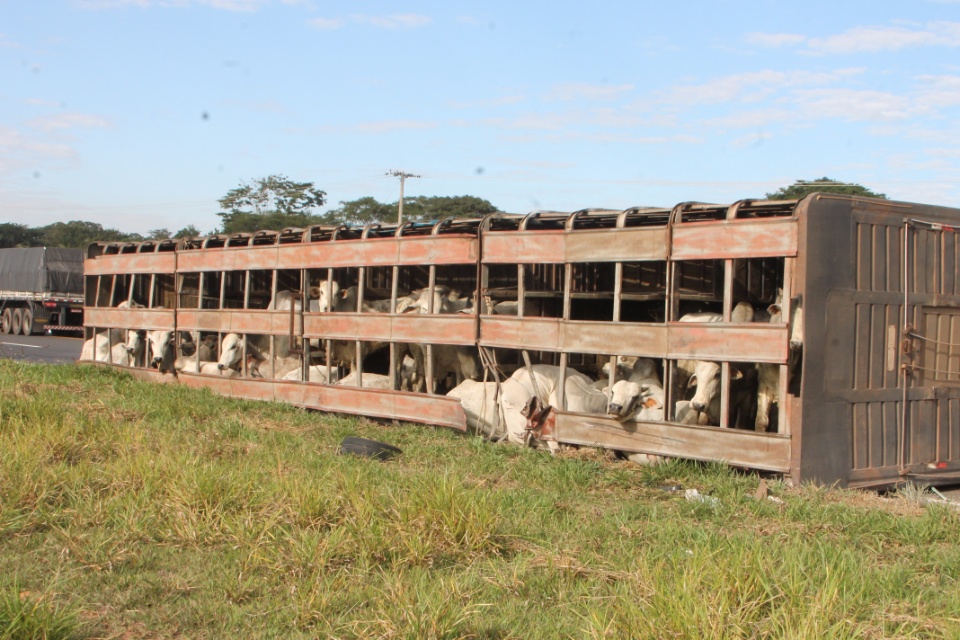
(695, 496)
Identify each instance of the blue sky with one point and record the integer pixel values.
(141, 114)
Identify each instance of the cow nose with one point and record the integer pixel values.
(614, 409)
(698, 406)
(221, 367)
(157, 361)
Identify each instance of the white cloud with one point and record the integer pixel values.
(487, 103)
(775, 39)
(19, 152)
(225, 5)
(471, 20)
(326, 24)
(946, 152)
(67, 121)
(752, 86)
(939, 91)
(873, 39)
(869, 39)
(853, 105)
(395, 21)
(752, 118)
(752, 139)
(575, 91)
(388, 126)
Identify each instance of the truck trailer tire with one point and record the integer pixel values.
(6, 321)
(17, 321)
(26, 328)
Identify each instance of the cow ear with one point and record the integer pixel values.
(774, 309)
(651, 403)
(605, 391)
(735, 374)
(692, 382)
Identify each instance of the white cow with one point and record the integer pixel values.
(208, 367)
(454, 361)
(705, 375)
(457, 362)
(640, 395)
(231, 352)
(110, 347)
(768, 383)
(162, 350)
(369, 380)
(97, 348)
(581, 396)
(316, 373)
(129, 352)
(330, 297)
(496, 414)
(445, 300)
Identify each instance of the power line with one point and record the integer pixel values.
(403, 176)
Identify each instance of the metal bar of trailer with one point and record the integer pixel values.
(732, 446)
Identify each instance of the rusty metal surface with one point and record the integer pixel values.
(418, 250)
(418, 328)
(595, 245)
(756, 342)
(732, 446)
(530, 247)
(242, 321)
(412, 407)
(735, 239)
(131, 263)
(111, 317)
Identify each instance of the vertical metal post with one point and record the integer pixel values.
(429, 366)
(725, 366)
(394, 364)
(902, 436)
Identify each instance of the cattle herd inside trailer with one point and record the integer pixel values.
(817, 338)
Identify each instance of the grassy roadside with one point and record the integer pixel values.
(131, 510)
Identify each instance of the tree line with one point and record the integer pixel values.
(276, 202)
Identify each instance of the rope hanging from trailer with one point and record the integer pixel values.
(926, 339)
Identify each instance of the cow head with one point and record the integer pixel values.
(161, 350)
(328, 295)
(622, 399)
(231, 352)
(634, 401)
(134, 343)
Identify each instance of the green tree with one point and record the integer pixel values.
(273, 202)
(802, 188)
(189, 231)
(360, 212)
(158, 234)
(19, 235)
(363, 211)
(439, 207)
(250, 222)
(79, 233)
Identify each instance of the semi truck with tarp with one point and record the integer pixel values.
(41, 290)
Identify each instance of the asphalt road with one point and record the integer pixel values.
(46, 349)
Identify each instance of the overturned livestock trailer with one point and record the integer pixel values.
(817, 338)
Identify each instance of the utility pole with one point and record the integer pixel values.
(403, 176)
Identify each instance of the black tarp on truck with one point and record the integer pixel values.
(41, 289)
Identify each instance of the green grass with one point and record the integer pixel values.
(131, 510)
